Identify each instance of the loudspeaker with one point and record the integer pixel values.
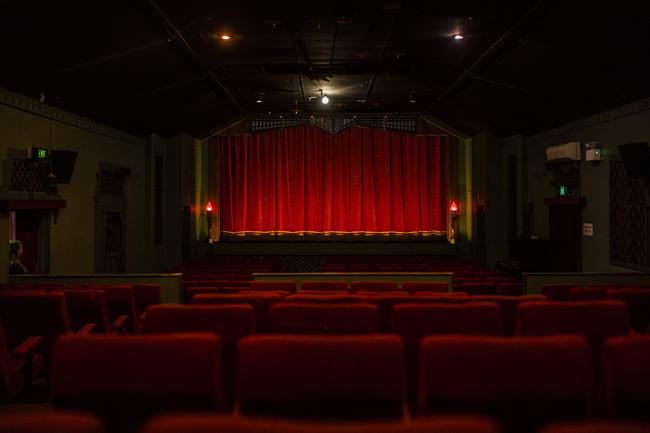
(63, 164)
(636, 159)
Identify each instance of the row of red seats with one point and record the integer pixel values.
(523, 382)
(207, 423)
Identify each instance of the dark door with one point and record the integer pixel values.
(27, 226)
(564, 217)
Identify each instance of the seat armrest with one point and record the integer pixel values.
(86, 329)
(27, 347)
(119, 324)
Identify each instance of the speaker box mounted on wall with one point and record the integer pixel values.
(63, 164)
(636, 159)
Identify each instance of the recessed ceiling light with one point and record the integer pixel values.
(225, 37)
(325, 99)
(458, 36)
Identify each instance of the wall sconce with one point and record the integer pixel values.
(453, 209)
(208, 211)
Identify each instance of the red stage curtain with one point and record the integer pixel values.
(305, 181)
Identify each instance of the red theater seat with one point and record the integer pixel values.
(626, 366)
(261, 304)
(425, 286)
(474, 289)
(322, 376)
(329, 318)
(26, 314)
(340, 286)
(265, 286)
(146, 295)
(230, 322)
(595, 320)
(51, 423)
(523, 382)
(638, 304)
(90, 306)
(598, 427)
(329, 298)
(126, 379)
(373, 286)
(222, 424)
(557, 292)
(509, 305)
(16, 367)
(323, 292)
(121, 302)
(415, 321)
(511, 289)
(592, 293)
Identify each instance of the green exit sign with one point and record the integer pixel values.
(564, 191)
(40, 153)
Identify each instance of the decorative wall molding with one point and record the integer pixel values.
(606, 116)
(28, 105)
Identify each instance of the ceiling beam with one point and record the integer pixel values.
(485, 54)
(187, 47)
(380, 57)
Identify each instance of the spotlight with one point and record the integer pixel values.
(412, 99)
(225, 37)
(458, 36)
(259, 97)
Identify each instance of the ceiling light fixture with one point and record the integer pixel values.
(324, 99)
(259, 97)
(412, 99)
(225, 37)
(458, 36)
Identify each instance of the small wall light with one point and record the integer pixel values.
(453, 209)
(208, 211)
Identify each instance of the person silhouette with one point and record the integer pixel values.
(15, 253)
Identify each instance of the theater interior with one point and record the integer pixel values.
(329, 217)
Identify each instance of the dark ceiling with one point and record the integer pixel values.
(160, 65)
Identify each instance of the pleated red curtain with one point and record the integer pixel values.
(305, 181)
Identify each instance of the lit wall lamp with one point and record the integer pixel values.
(453, 209)
(208, 211)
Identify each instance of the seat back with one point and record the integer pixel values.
(557, 292)
(260, 303)
(626, 367)
(425, 286)
(321, 376)
(230, 321)
(511, 289)
(598, 427)
(207, 423)
(30, 313)
(509, 306)
(324, 286)
(126, 379)
(474, 289)
(285, 286)
(51, 423)
(592, 293)
(324, 318)
(87, 306)
(373, 286)
(638, 305)
(595, 320)
(415, 321)
(146, 295)
(523, 382)
(121, 302)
